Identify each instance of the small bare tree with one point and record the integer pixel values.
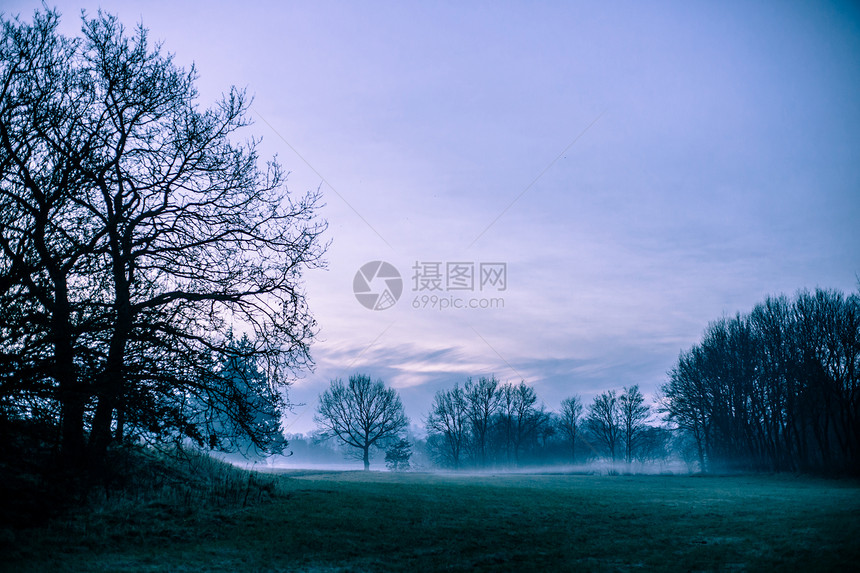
(527, 418)
(448, 419)
(483, 402)
(604, 420)
(634, 412)
(570, 421)
(362, 414)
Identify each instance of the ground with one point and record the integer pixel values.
(380, 521)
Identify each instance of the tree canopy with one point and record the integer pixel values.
(777, 389)
(362, 414)
(134, 232)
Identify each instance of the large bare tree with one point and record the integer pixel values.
(362, 414)
(134, 232)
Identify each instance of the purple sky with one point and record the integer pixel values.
(715, 159)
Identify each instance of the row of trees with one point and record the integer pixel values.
(775, 389)
(133, 230)
(485, 422)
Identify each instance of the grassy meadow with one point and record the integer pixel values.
(379, 521)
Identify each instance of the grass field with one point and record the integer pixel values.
(355, 521)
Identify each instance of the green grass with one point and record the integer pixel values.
(355, 521)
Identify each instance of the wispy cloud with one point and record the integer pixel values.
(433, 128)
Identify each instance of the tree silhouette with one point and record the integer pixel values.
(133, 231)
(247, 417)
(777, 389)
(448, 423)
(633, 412)
(604, 420)
(398, 454)
(362, 414)
(570, 421)
(482, 404)
(687, 402)
(519, 416)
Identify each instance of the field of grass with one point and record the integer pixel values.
(355, 521)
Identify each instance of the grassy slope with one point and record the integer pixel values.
(351, 521)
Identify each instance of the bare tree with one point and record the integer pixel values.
(448, 419)
(133, 231)
(42, 253)
(362, 414)
(570, 419)
(604, 421)
(482, 399)
(505, 419)
(686, 401)
(526, 417)
(633, 412)
(777, 389)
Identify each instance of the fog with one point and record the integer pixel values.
(598, 467)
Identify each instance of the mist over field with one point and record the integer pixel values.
(593, 468)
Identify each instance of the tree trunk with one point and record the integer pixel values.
(70, 394)
(120, 425)
(110, 388)
(701, 451)
(113, 379)
(111, 384)
(367, 458)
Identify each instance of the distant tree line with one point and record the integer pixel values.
(489, 423)
(777, 389)
(486, 423)
(774, 390)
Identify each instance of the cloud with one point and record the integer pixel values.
(723, 169)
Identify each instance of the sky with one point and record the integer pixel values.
(625, 172)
